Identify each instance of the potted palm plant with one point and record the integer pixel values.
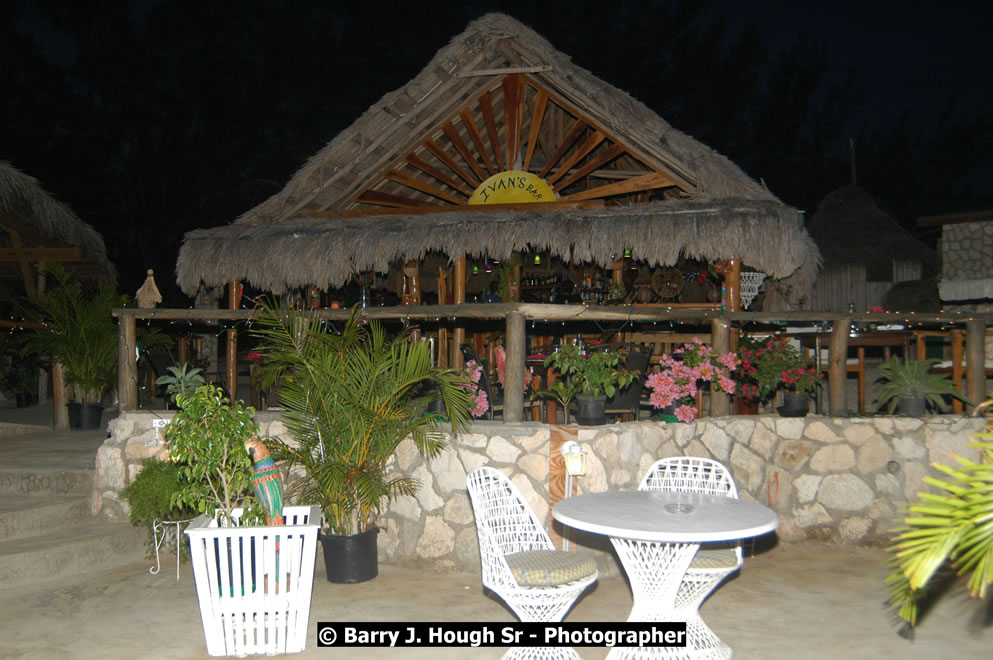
(349, 398)
(590, 378)
(253, 581)
(78, 331)
(913, 387)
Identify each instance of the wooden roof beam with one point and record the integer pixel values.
(460, 146)
(433, 171)
(417, 184)
(646, 182)
(477, 139)
(449, 162)
(537, 116)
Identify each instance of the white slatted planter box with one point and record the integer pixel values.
(255, 598)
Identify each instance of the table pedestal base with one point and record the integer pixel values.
(655, 571)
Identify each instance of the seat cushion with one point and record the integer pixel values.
(714, 559)
(547, 568)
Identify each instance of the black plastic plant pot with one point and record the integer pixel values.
(84, 415)
(349, 559)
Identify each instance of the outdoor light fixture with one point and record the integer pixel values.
(627, 253)
(489, 267)
(537, 259)
(575, 461)
(575, 466)
(475, 269)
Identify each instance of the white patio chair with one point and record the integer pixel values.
(519, 562)
(713, 561)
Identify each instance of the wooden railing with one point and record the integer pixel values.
(515, 317)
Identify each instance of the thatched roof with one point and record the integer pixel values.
(849, 228)
(303, 235)
(46, 228)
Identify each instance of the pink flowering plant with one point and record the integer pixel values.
(690, 367)
(477, 396)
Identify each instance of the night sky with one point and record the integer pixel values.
(152, 118)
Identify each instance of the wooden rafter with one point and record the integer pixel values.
(537, 116)
(513, 115)
(477, 139)
(386, 199)
(477, 208)
(417, 184)
(433, 171)
(486, 107)
(460, 146)
(449, 162)
(465, 156)
(636, 184)
(578, 127)
(584, 150)
(39, 254)
(605, 157)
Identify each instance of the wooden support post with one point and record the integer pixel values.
(231, 379)
(59, 410)
(458, 290)
(513, 388)
(838, 366)
(411, 289)
(975, 360)
(183, 344)
(127, 364)
(720, 333)
(732, 286)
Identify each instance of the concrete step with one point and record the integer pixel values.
(25, 516)
(42, 481)
(91, 546)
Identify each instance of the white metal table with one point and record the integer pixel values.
(656, 535)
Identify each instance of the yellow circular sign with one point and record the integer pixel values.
(513, 187)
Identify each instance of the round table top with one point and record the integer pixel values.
(666, 516)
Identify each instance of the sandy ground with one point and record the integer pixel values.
(801, 601)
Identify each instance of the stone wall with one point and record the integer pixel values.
(835, 479)
(967, 250)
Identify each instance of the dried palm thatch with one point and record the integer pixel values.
(718, 212)
(849, 228)
(41, 221)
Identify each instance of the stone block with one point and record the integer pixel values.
(859, 434)
(793, 454)
(534, 465)
(763, 441)
(820, 432)
(717, 442)
(448, 473)
(844, 492)
(873, 455)
(502, 451)
(458, 510)
(833, 458)
(775, 492)
(437, 540)
(854, 529)
(811, 515)
(907, 448)
(747, 466)
(806, 487)
(790, 428)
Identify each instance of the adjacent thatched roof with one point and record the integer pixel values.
(849, 228)
(280, 244)
(41, 221)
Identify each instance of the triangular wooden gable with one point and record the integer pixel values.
(516, 123)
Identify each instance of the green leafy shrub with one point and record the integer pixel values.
(150, 498)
